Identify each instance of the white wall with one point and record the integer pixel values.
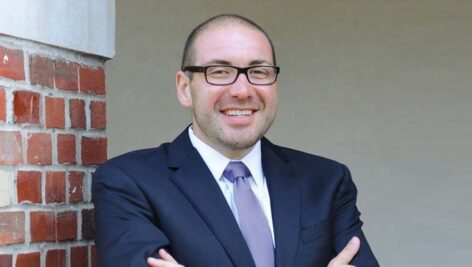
(82, 25)
(383, 86)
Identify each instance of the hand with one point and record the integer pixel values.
(166, 260)
(346, 255)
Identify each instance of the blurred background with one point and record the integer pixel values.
(382, 86)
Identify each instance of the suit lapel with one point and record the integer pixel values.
(195, 181)
(285, 202)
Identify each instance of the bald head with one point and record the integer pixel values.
(189, 56)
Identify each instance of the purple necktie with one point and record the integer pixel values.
(252, 221)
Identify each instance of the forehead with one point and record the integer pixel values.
(238, 45)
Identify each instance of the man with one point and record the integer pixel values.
(221, 194)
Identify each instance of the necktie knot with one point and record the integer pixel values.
(236, 170)
(252, 221)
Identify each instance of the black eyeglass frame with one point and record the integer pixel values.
(240, 70)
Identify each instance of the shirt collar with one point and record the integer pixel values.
(217, 162)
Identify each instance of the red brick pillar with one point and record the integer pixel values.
(52, 136)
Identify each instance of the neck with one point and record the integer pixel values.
(227, 151)
(234, 154)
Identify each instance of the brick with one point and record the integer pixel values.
(79, 256)
(66, 75)
(77, 113)
(98, 110)
(88, 224)
(94, 256)
(3, 105)
(92, 80)
(55, 108)
(66, 149)
(56, 258)
(42, 226)
(12, 230)
(39, 151)
(26, 107)
(76, 184)
(28, 186)
(94, 150)
(66, 225)
(41, 71)
(32, 259)
(55, 187)
(10, 148)
(12, 64)
(6, 260)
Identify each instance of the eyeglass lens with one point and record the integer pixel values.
(259, 75)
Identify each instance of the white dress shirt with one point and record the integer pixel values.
(217, 163)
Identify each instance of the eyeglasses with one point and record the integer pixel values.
(225, 75)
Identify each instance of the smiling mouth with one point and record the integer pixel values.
(238, 112)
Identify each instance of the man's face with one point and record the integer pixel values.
(231, 118)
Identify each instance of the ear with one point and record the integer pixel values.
(182, 83)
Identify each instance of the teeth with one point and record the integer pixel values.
(238, 112)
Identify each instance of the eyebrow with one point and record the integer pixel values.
(260, 62)
(224, 62)
(217, 62)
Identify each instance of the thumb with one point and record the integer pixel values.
(346, 255)
(166, 256)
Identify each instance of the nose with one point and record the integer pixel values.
(241, 88)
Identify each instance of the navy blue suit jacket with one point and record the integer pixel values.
(167, 197)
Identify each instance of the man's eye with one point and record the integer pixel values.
(260, 72)
(218, 71)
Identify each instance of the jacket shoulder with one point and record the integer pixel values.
(138, 159)
(295, 156)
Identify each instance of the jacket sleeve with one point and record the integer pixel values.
(348, 224)
(127, 231)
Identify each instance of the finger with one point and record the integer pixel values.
(166, 256)
(349, 251)
(153, 262)
(346, 255)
